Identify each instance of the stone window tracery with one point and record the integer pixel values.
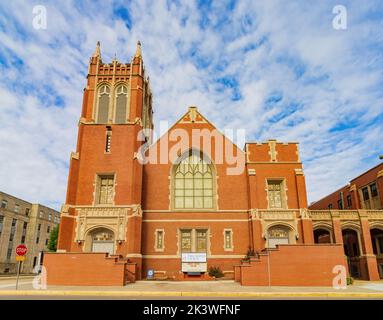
(193, 184)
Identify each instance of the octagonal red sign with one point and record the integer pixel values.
(21, 250)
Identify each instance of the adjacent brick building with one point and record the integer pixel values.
(360, 202)
(189, 201)
(22, 222)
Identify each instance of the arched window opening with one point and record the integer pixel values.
(322, 236)
(121, 103)
(193, 184)
(377, 245)
(352, 251)
(103, 104)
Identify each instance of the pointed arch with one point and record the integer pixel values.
(103, 102)
(193, 182)
(121, 104)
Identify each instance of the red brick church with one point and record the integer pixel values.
(192, 200)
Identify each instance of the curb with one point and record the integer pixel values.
(190, 294)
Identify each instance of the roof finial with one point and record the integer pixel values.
(138, 49)
(97, 52)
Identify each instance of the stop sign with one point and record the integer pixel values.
(21, 250)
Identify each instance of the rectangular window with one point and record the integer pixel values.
(186, 244)
(201, 241)
(9, 253)
(50, 217)
(349, 202)
(105, 190)
(13, 230)
(4, 204)
(374, 190)
(46, 242)
(330, 206)
(194, 240)
(24, 232)
(340, 204)
(27, 212)
(17, 208)
(108, 141)
(48, 229)
(1, 224)
(228, 239)
(275, 194)
(41, 214)
(159, 239)
(38, 233)
(365, 193)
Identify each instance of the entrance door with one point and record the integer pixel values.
(274, 241)
(278, 235)
(103, 240)
(103, 246)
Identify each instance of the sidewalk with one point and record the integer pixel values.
(361, 289)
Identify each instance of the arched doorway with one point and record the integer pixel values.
(322, 236)
(278, 235)
(352, 251)
(102, 240)
(377, 246)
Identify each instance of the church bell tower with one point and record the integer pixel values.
(102, 211)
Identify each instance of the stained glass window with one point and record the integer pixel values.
(201, 240)
(228, 244)
(106, 190)
(186, 240)
(103, 104)
(275, 194)
(193, 184)
(121, 103)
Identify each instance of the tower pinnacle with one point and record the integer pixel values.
(97, 52)
(138, 50)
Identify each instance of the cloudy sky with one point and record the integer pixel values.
(278, 69)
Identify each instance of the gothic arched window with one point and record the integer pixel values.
(193, 184)
(103, 104)
(121, 103)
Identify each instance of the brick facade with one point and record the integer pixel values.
(151, 216)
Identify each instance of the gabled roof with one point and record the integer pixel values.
(194, 116)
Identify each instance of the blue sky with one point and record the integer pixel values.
(275, 68)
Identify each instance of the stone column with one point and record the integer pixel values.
(354, 197)
(368, 257)
(258, 241)
(338, 237)
(307, 227)
(134, 229)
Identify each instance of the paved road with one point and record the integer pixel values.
(154, 290)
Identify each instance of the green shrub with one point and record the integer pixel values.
(350, 280)
(250, 253)
(215, 272)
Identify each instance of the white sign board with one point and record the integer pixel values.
(194, 267)
(193, 257)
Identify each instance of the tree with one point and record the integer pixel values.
(52, 243)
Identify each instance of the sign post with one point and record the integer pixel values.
(21, 250)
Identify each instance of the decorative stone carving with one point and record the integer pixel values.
(113, 218)
(304, 214)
